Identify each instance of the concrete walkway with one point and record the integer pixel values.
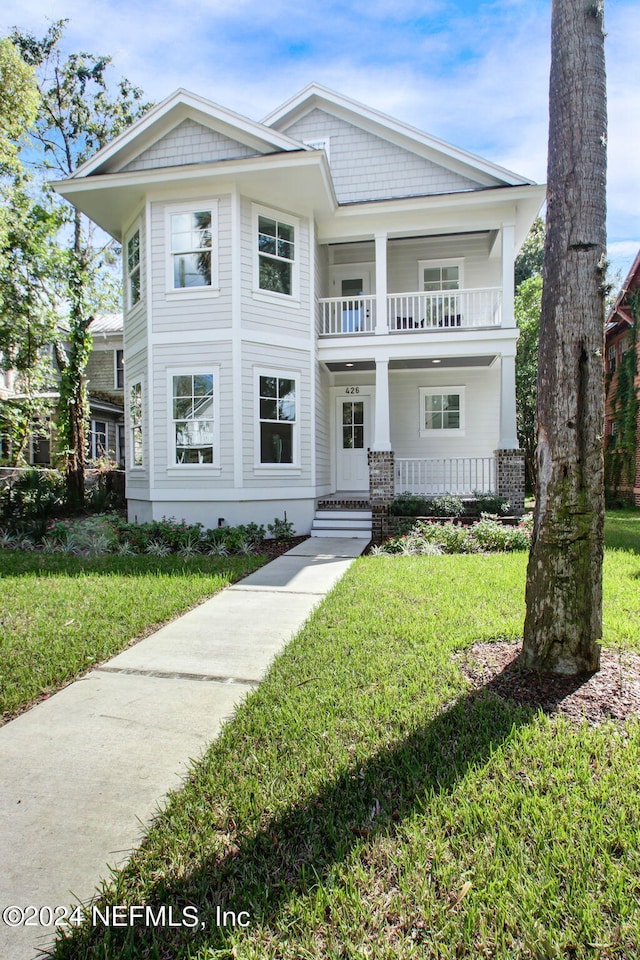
(83, 772)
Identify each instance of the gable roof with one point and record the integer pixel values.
(174, 110)
(620, 312)
(432, 148)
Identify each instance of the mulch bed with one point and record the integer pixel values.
(613, 693)
(275, 548)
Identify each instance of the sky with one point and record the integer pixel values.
(472, 73)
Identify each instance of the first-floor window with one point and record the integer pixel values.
(135, 421)
(441, 410)
(193, 417)
(278, 418)
(98, 439)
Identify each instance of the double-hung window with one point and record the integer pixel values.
(193, 418)
(191, 248)
(98, 438)
(440, 279)
(278, 418)
(442, 411)
(133, 268)
(135, 424)
(276, 254)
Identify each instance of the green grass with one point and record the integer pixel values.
(62, 614)
(364, 803)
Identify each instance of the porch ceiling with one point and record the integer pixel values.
(411, 363)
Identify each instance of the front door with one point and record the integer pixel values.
(353, 439)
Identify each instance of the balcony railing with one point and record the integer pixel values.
(413, 312)
(458, 475)
(345, 316)
(445, 309)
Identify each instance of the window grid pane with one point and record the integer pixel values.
(277, 403)
(442, 411)
(193, 417)
(191, 243)
(276, 249)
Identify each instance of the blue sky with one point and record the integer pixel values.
(472, 73)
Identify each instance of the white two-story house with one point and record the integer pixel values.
(318, 306)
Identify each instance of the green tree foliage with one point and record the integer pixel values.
(18, 106)
(622, 445)
(78, 115)
(527, 311)
(530, 259)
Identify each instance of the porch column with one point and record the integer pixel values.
(508, 429)
(381, 283)
(508, 260)
(381, 423)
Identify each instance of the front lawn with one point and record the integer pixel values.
(62, 614)
(366, 803)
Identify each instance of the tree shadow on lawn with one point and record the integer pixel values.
(292, 853)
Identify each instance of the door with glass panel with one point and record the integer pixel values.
(353, 285)
(353, 440)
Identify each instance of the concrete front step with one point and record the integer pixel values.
(342, 523)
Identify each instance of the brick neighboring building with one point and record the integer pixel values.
(619, 339)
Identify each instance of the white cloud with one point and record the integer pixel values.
(475, 74)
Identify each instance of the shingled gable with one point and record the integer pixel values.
(186, 120)
(316, 109)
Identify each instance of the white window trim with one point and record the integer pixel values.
(270, 295)
(115, 368)
(94, 450)
(129, 445)
(194, 206)
(448, 262)
(439, 391)
(198, 468)
(276, 469)
(136, 228)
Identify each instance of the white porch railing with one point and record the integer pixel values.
(442, 310)
(458, 475)
(340, 315)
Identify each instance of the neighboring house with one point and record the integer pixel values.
(316, 306)
(105, 376)
(622, 380)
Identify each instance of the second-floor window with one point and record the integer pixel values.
(133, 268)
(276, 255)
(191, 245)
(119, 365)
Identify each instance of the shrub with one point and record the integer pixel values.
(489, 503)
(281, 530)
(412, 505)
(32, 499)
(485, 536)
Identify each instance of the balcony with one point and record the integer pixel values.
(413, 312)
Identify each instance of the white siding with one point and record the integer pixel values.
(289, 361)
(403, 257)
(190, 142)
(167, 474)
(177, 311)
(136, 372)
(482, 411)
(274, 314)
(367, 167)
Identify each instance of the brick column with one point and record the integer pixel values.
(381, 491)
(510, 477)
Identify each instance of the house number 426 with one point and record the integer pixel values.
(352, 390)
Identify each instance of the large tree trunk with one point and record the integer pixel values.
(564, 577)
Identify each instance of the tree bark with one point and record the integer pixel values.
(564, 576)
